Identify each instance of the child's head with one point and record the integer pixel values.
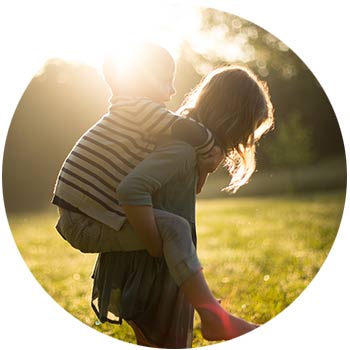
(144, 70)
(235, 105)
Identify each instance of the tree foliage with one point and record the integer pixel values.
(293, 87)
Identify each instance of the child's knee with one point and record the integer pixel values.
(79, 231)
(173, 226)
(179, 224)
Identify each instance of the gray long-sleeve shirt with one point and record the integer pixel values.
(166, 179)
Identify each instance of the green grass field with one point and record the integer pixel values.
(258, 253)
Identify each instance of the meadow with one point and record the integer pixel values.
(258, 253)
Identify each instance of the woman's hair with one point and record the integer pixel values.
(236, 107)
(136, 69)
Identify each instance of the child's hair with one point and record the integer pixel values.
(136, 69)
(235, 105)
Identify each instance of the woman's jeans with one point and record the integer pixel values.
(91, 236)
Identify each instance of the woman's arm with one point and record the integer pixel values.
(135, 191)
(142, 220)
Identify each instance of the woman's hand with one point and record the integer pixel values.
(141, 218)
(208, 164)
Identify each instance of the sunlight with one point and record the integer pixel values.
(102, 30)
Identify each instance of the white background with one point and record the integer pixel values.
(318, 319)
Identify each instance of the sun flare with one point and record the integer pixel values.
(103, 29)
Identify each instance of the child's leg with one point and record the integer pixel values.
(183, 264)
(91, 236)
(178, 248)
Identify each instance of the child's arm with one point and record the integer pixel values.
(208, 165)
(193, 133)
(155, 120)
(201, 139)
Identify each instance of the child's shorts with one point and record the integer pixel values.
(91, 236)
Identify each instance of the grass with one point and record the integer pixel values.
(258, 253)
(326, 175)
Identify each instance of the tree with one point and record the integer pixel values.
(293, 87)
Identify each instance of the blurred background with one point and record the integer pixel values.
(304, 153)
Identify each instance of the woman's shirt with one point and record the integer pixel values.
(166, 180)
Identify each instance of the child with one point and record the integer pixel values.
(110, 149)
(236, 106)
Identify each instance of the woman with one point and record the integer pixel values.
(235, 106)
(139, 288)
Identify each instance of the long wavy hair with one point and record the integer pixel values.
(235, 105)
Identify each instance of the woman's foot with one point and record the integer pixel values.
(217, 324)
(140, 337)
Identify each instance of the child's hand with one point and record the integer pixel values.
(208, 165)
(210, 162)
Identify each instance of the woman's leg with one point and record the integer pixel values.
(140, 337)
(216, 322)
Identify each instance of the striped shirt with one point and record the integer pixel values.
(110, 149)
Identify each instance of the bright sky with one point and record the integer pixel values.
(100, 28)
(86, 30)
